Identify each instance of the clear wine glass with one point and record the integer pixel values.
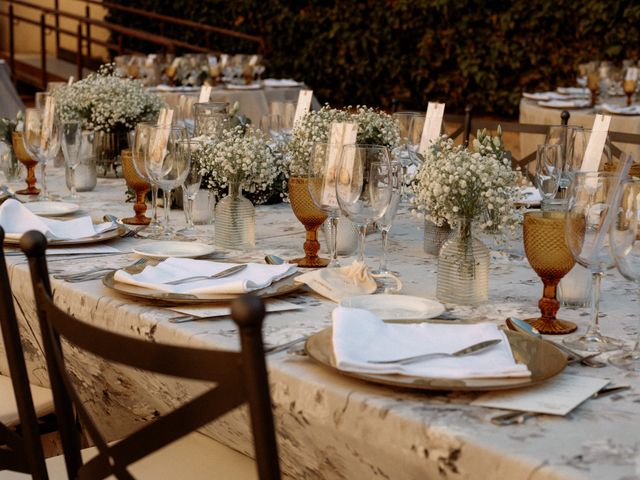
(322, 188)
(410, 126)
(625, 248)
(548, 170)
(589, 197)
(190, 188)
(139, 151)
(386, 221)
(364, 185)
(167, 161)
(210, 118)
(71, 145)
(39, 143)
(271, 127)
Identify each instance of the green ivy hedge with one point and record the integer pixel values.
(484, 52)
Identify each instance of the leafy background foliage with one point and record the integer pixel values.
(483, 52)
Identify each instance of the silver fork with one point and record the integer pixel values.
(94, 273)
(224, 273)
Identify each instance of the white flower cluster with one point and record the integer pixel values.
(374, 127)
(106, 101)
(242, 157)
(454, 182)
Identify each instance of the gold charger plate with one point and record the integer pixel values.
(100, 237)
(281, 287)
(542, 358)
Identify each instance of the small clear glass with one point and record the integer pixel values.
(71, 146)
(190, 188)
(548, 170)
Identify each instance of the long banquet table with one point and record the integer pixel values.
(331, 426)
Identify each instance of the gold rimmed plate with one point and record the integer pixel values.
(542, 358)
(280, 287)
(99, 237)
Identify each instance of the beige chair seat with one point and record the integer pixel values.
(42, 402)
(193, 457)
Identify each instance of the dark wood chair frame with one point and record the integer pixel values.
(21, 451)
(239, 376)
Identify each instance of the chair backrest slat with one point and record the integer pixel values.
(222, 367)
(24, 451)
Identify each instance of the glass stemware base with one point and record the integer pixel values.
(593, 342)
(628, 359)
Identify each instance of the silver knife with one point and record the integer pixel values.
(476, 347)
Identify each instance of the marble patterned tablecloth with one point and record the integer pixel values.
(333, 427)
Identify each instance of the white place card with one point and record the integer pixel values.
(159, 147)
(342, 133)
(432, 126)
(632, 74)
(557, 396)
(47, 122)
(253, 60)
(205, 94)
(303, 106)
(595, 147)
(70, 81)
(271, 304)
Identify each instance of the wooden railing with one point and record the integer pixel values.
(85, 38)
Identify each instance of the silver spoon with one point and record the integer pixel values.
(273, 260)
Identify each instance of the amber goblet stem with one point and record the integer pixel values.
(311, 217)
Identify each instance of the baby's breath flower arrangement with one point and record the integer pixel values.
(239, 156)
(374, 127)
(454, 182)
(106, 101)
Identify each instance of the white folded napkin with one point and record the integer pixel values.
(529, 196)
(556, 103)
(622, 110)
(339, 283)
(16, 219)
(547, 96)
(280, 82)
(360, 336)
(582, 91)
(254, 277)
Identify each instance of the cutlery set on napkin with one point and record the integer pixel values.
(16, 219)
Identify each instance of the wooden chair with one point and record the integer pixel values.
(20, 404)
(240, 377)
(475, 124)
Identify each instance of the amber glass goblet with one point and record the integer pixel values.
(549, 256)
(140, 186)
(27, 161)
(629, 87)
(311, 217)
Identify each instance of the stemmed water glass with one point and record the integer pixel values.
(139, 151)
(364, 185)
(190, 188)
(167, 162)
(548, 170)
(322, 188)
(589, 197)
(625, 248)
(410, 126)
(40, 144)
(71, 145)
(386, 221)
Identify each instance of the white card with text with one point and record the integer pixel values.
(303, 106)
(342, 133)
(205, 94)
(557, 396)
(595, 147)
(432, 126)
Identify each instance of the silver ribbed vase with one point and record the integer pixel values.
(235, 220)
(435, 236)
(463, 268)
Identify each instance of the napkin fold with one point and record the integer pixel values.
(17, 219)
(621, 110)
(360, 336)
(339, 283)
(546, 96)
(254, 277)
(554, 103)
